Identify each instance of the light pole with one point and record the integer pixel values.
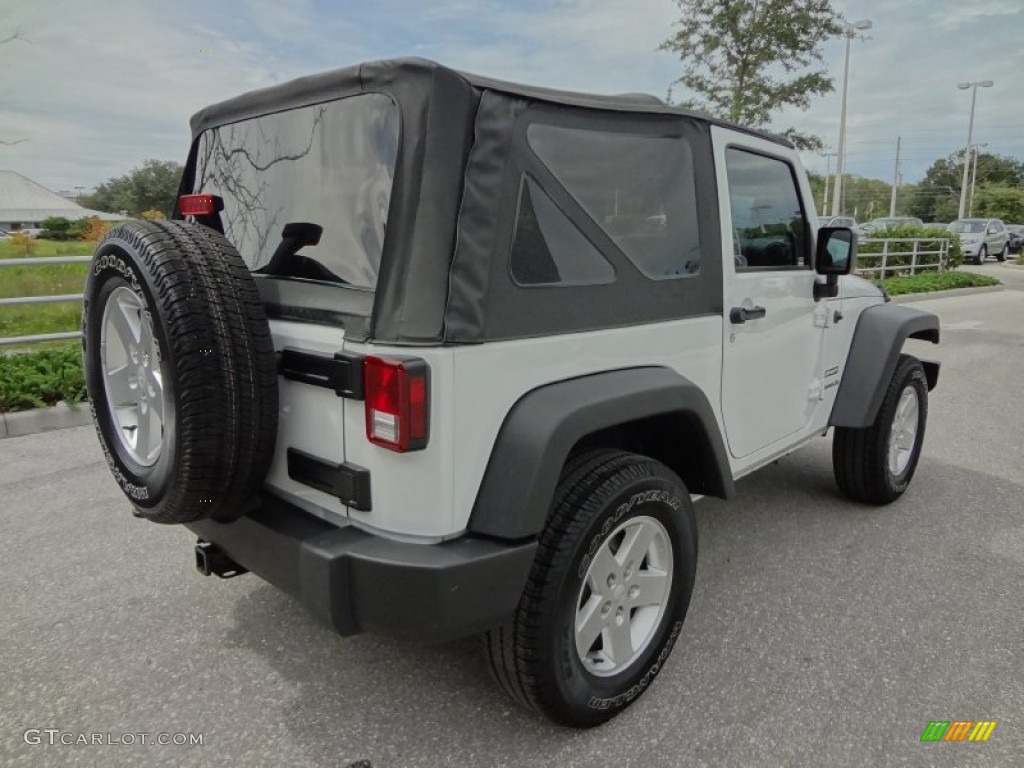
(828, 172)
(974, 85)
(895, 180)
(974, 178)
(849, 31)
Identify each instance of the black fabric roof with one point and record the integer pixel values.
(424, 75)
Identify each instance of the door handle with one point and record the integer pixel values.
(739, 315)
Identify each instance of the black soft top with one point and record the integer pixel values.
(444, 266)
(427, 80)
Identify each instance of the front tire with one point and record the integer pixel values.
(982, 255)
(607, 594)
(875, 464)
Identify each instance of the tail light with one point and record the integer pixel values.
(396, 393)
(200, 205)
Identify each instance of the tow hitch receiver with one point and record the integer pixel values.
(211, 559)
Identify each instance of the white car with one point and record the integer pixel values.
(981, 238)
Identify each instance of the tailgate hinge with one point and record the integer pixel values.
(343, 372)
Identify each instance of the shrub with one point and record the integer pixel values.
(56, 228)
(38, 379)
(22, 244)
(869, 253)
(925, 282)
(78, 229)
(153, 214)
(95, 229)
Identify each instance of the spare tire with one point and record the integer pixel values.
(180, 370)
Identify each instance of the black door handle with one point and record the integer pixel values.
(738, 315)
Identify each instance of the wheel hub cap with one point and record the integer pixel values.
(132, 379)
(903, 435)
(624, 596)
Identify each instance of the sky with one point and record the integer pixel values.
(97, 87)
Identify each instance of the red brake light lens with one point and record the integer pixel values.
(396, 395)
(200, 205)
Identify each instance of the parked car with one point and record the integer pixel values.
(838, 221)
(489, 415)
(1016, 238)
(31, 232)
(980, 238)
(4, 234)
(890, 222)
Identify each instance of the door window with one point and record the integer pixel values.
(770, 229)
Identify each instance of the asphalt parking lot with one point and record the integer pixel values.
(821, 633)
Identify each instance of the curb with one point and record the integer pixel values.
(60, 416)
(906, 298)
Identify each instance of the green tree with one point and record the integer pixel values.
(1000, 201)
(745, 59)
(153, 185)
(863, 198)
(937, 197)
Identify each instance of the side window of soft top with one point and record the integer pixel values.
(769, 223)
(638, 188)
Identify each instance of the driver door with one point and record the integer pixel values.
(773, 334)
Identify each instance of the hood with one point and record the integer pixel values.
(854, 287)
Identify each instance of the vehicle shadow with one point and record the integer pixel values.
(793, 585)
(378, 699)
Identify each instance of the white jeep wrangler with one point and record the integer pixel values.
(443, 355)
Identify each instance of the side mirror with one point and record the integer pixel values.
(835, 255)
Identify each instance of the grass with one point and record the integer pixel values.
(925, 282)
(30, 319)
(41, 378)
(48, 248)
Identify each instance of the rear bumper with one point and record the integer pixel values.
(357, 582)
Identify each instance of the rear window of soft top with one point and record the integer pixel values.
(329, 164)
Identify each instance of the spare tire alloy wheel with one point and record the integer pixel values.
(180, 371)
(608, 592)
(132, 376)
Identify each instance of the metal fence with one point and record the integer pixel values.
(21, 300)
(903, 255)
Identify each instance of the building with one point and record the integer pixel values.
(25, 204)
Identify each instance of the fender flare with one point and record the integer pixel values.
(872, 359)
(542, 427)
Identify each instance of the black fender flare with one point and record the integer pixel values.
(542, 427)
(874, 353)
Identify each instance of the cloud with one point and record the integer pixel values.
(105, 85)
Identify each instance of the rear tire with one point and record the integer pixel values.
(1001, 256)
(875, 464)
(607, 594)
(180, 371)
